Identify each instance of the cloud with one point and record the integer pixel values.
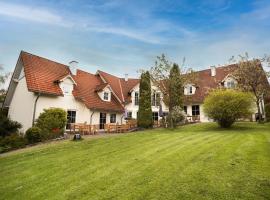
(151, 31)
(32, 14)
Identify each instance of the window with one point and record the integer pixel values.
(230, 84)
(195, 110)
(155, 99)
(190, 89)
(155, 116)
(185, 109)
(71, 118)
(136, 98)
(129, 115)
(113, 118)
(106, 96)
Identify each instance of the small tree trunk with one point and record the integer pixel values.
(259, 111)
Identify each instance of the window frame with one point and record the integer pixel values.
(106, 94)
(196, 110)
(155, 116)
(136, 98)
(71, 119)
(113, 118)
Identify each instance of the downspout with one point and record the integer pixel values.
(91, 117)
(35, 107)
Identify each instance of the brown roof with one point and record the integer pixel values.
(120, 87)
(86, 92)
(41, 74)
(205, 82)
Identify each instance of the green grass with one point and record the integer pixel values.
(193, 162)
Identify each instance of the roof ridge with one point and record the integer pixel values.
(45, 58)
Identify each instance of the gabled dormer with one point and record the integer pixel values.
(66, 84)
(104, 91)
(229, 82)
(189, 89)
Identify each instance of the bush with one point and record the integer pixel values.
(226, 106)
(33, 135)
(7, 126)
(176, 117)
(267, 112)
(11, 142)
(52, 122)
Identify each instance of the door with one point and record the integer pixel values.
(71, 118)
(102, 120)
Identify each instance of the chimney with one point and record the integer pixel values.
(213, 70)
(73, 66)
(126, 77)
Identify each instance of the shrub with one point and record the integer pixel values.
(11, 142)
(33, 135)
(52, 122)
(267, 112)
(176, 116)
(226, 106)
(7, 126)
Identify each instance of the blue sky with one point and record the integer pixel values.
(122, 36)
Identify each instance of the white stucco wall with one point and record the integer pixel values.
(131, 107)
(22, 105)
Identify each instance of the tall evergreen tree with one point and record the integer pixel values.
(176, 92)
(145, 109)
(175, 88)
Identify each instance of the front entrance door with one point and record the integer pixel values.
(102, 120)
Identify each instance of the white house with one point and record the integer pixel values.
(38, 83)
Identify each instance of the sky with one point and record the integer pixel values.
(123, 36)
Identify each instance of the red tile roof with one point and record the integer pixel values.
(120, 87)
(86, 92)
(41, 74)
(205, 82)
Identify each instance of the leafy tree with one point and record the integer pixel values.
(226, 106)
(3, 78)
(251, 77)
(170, 79)
(145, 110)
(267, 112)
(52, 122)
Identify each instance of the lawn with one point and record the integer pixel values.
(193, 162)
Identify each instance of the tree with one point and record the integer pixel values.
(251, 77)
(170, 79)
(3, 78)
(7, 126)
(176, 93)
(226, 106)
(145, 110)
(267, 112)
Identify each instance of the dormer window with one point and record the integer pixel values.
(189, 89)
(231, 84)
(106, 96)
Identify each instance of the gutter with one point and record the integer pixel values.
(91, 117)
(35, 107)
